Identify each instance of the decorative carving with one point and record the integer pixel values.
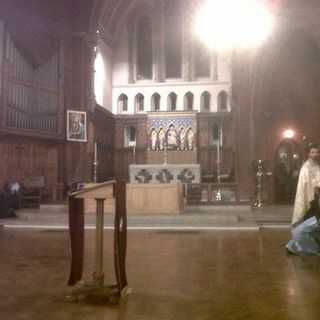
(186, 176)
(182, 137)
(153, 140)
(161, 139)
(164, 176)
(165, 173)
(143, 176)
(173, 133)
(190, 138)
(172, 139)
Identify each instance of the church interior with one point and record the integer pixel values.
(207, 141)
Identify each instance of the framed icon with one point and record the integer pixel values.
(76, 126)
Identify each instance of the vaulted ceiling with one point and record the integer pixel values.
(38, 25)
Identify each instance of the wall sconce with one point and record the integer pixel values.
(288, 134)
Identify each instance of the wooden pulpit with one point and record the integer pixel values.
(96, 290)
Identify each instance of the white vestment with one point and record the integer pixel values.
(309, 178)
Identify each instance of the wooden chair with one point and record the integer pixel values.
(30, 196)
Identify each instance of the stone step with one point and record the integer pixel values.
(213, 209)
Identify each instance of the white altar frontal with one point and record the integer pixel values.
(164, 173)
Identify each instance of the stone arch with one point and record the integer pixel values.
(123, 103)
(188, 101)
(172, 101)
(144, 48)
(155, 102)
(139, 102)
(222, 101)
(205, 101)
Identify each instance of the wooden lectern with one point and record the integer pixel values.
(97, 291)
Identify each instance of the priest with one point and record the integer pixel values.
(309, 179)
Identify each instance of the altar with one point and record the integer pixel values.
(155, 199)
(164, 173)
(158, 188)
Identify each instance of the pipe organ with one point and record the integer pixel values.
(30, 93)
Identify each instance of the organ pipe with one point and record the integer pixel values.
(32, 97)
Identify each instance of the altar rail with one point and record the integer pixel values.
(212, 193)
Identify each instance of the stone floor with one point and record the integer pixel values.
(210, 263)
(173, 275)
(194, 218)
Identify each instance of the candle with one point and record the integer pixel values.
(95, 152)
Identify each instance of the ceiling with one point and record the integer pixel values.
(38, 25)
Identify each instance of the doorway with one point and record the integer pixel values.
(288, 161)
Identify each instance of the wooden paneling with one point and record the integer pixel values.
(24, 158)
(104, 124)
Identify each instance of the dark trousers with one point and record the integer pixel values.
(7, 205)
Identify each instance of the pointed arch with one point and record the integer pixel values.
(172, 101)
(188, 101)
(155, 102)
(123, 103)
(202, 59)
(99, 78)
(173, 38)
(144, 48)
(205, 101)
(222, 101)
(139, 102)
(215, 132)
(130, 136)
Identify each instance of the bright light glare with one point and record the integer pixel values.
(99, 79)
(232, 24)
(288, 134)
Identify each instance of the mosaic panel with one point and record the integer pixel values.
(172, 133)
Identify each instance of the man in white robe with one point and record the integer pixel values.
(309, 178)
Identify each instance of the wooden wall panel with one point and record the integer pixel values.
(104, 129)
(25, 158)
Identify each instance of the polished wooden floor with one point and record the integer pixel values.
(185, 275)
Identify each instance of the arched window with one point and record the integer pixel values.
(222, 101)
(215, 133)
(155, 102)
(99, 78)
(123, 103)
(130, 136)
(173, 38)
(139, 102)
(188, 101)
(144, 48)
(202, 59)
(172, 101)
(205, 101)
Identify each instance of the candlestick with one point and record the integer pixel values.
(95, 163)
(134, 154)
(218, 161)
(95, 152)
